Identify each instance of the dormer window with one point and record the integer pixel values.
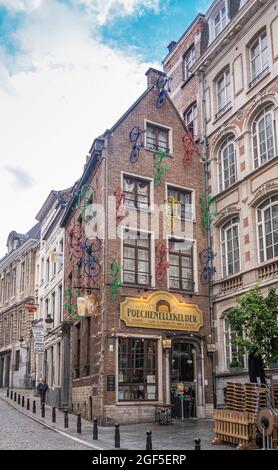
(220, 21)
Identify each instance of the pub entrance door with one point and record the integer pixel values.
(183, 379)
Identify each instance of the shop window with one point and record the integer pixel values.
(137, 369)
(157, 138)
(137, 192)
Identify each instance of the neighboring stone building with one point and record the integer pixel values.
(54, 363)
(17, 309)
(142, 341)
(238, 99)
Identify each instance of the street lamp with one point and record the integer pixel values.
(48, 321)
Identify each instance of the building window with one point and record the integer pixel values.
(263, 136)
(22, 277)
(267, 218)
(190, 120)
(88, 347)
(47, 270)
(220, 21)
(157, 138)
(223, 92)
(189, 61)
(184, 209)
(46, 307)
(60, 300)
(181, 265)
(42, 270)
(230, 247)
(137, 258)
(137, 369)
(60, 254)
(78, 351)
(259, 59)
(227, 164)
(17, 360)
(53, 308)
(234, 357)
(137, 193)
(13, 282)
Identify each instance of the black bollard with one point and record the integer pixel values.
(14, 396)
(149, 445)
(34, 406)
(117, 436)
(53, 415)
(28, 404)
(43, 410)
(23, 401)
(66, 419)
(8, 392)
(18, 399)
(79, 423)
(197, 442)
(95, 430)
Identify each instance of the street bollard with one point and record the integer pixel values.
(66, 419)
(14, 396)
(18, 399)
(197, 442)
(53, 415)
(79, 423)
(23, 401)
(28, 404)
(8, 392)
(43, 410)
(117, 436)
(149, 445)
(34, 406)
(95, 430)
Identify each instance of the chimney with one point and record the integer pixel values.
(171, 46)
(152, 76)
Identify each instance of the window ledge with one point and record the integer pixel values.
(258, 80)
(222, 112)
(185, 81)
(156, 151)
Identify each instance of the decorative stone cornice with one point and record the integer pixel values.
(225, 214)
(266, 189)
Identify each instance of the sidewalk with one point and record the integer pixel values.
(178, 436)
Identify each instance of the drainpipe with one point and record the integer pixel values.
(205, 158)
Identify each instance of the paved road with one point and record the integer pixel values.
(19, 432)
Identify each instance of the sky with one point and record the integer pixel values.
(68, 70)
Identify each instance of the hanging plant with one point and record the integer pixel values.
(207, 212)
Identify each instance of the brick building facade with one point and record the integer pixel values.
(122, 363)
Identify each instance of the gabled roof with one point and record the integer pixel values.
(62, 197)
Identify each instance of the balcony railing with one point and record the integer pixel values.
(268, 271)
(231, 285)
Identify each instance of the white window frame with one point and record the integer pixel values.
(193, 109)
(222, 181)
(224, 246)
(151, 181)
(194, 262)
(225, 77)
(226, 346)
(186, 189)
(255, 76)
(157, 124)
(223, 19)
(189, 61)
(257, 162)
(261, 223)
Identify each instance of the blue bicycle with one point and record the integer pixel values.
(206, 257)
(136, 137)
(163, 84)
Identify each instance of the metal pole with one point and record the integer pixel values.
(23, 401)
(66, 419)
(14, 396)
(34, 406)
(149, 445)
(197, 442)
(95, 430)
(53, 415)
(28, 404)
(117, 436)
(43, 410)
(18, 399)
(79, 423)
(8, 392)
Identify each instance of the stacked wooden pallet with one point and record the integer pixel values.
(274, 390)
(235, 427)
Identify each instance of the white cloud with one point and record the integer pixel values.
(106, 10)
(21, 5)
(59, 95)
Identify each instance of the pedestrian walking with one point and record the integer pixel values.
(42, 389)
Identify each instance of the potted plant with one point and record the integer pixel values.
(235, 365)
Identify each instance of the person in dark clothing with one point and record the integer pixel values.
(42, 389)
(256, 369)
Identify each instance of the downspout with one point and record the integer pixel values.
(205, 158)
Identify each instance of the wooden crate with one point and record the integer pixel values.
(235, 427)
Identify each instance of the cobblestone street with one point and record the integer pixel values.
(18, 431)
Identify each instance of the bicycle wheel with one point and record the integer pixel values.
(77, 250)
(134, 134)
(92, 267)
(204, 256)
(204, 278)
(134, 155)
(161, 100)
(161, 81)
(94, 247)
(76, 232)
